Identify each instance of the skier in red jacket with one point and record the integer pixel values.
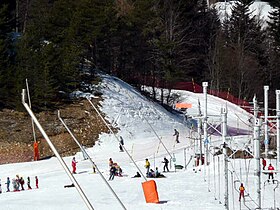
(263, 163)
(270, 174)
(241, 191)
(74, 163)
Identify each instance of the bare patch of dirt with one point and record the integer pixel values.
(16, 136)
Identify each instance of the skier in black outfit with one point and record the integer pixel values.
(137, 175)
(121, 144)
(112, 172)
(165, 161)
(28, 183)
(176, 134)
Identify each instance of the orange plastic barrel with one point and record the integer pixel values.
(150, 191)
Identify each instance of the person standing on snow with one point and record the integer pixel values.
(74, 164)
(36, 150)
(263, 163)
(241, 192)
(165, 161)
(8, 184)
(270, 174)
(176, 134)
(112, 172)
(147, 166)
(28, 183)
(110, 163)
(36, 182)
(15, 185)
(21, 181)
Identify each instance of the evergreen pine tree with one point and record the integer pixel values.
(274, 46)
(7, 55)
(244, 42)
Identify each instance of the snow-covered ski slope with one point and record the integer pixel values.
(140, 123)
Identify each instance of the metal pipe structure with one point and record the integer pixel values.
(206, 141)
(61, 161)
(274, 194)
(232, 189)
(89, 158)
(256, 108)
(214, 163)
(199, 131)
(266, 137)
(219, 182)
(158, 137)
(278, 124)
(257, 172)
(29, 102)
(225, 146)
(116, 138)
(185, 158)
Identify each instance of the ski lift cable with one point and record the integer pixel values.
(274, 192)
(219, 176)
(29, 102)
(247, 172)
(232, 189)
(249, 125)
(238, 180)
(214, 182)
(274, 189)
(32, 122)
(89, 158)
(214, 177)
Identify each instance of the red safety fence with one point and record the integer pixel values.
(193, 87)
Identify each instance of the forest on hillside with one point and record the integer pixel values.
(49, 42)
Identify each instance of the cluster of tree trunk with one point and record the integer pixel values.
(53, 42)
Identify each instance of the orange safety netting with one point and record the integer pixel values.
(183, 106)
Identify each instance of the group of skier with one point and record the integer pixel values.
(271, 171)
(18, 184)
(155, 174)
(115, 169)
(270, 168)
